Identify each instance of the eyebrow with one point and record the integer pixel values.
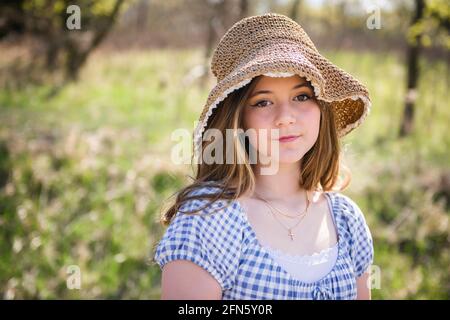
(303, 84)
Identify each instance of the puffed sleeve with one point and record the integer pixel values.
(212, 241)
(360, 239)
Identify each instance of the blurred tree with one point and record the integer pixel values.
(294, 10)
(430, 23)
(222, 15)
(243, 12)
(142, 14)
(11, 17)
(413, 72)
(46, 20)
(76, 53)
(215, 24)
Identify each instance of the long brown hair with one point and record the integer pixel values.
(319, 166)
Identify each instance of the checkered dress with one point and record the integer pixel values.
(225, 245)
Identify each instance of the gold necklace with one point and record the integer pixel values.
(290, 234)
(282, 213)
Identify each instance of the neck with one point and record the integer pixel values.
(282, 185)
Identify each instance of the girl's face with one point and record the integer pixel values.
(286, 104)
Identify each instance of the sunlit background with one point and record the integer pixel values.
(88, 105)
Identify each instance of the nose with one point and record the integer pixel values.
(284, 115)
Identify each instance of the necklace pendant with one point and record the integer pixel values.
(291, 234)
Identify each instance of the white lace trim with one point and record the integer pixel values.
(201, 126)
(366, 112)
(316, 258)
(279, 74)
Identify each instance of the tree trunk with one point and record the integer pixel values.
(215, 25)
(243, 9)
(413, 54)
(76, 57)
(12, 17)
(294, 10)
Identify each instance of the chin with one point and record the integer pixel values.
(290, 156)
(289, 159)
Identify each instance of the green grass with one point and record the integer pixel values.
(84, 175)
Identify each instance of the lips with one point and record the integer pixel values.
(288, 138)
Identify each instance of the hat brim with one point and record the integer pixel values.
(350, 103)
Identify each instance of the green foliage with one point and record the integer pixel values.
(84, 176)
(433, 28)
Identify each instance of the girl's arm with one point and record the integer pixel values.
(184, 280)
(363, 286)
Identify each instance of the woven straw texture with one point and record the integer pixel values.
(275, 45)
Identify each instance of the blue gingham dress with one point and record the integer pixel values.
(225, 244)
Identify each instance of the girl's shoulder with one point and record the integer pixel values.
(207, 207)
(211, 220)
(353, 230)
(211, 237)
(344, 207)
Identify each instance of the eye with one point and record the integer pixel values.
(303, 97)
(261, 104)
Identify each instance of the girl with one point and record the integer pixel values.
(241, 231)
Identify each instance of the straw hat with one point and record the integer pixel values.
(275, 45)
